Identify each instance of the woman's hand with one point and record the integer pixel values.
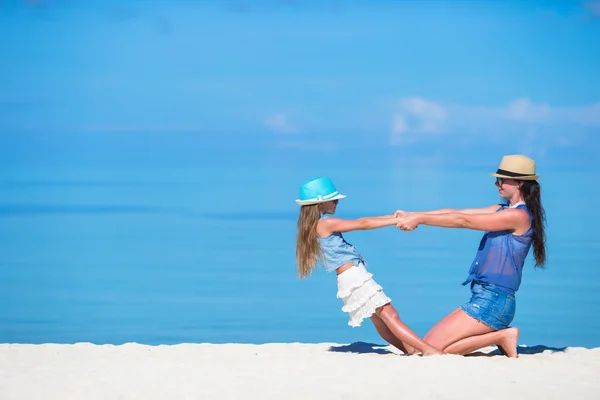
(408, 223)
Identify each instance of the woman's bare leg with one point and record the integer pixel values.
(391, 319)
(389, 337)
(505, 339)
(459, 333)
(453, 327)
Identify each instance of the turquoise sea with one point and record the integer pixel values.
(169, 255)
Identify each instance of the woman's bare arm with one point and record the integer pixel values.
(512, 219)
(483, 210)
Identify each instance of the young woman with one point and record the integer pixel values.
(495, 274)
(320, 241)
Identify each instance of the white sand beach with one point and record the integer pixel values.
(290, 371)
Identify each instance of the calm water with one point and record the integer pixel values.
(207, 255)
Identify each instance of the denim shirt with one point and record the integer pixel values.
(500, 258)
(337, 252)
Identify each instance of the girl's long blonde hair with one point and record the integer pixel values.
(308, 249)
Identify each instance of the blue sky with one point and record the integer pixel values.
(282, 81)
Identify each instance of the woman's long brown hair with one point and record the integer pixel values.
(531, 192)
(308, 248)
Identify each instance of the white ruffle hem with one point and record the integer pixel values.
(360, 293)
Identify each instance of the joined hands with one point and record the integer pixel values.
(407, 221)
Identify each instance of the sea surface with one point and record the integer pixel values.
(173, 255)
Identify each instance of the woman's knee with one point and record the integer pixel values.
(437, 339)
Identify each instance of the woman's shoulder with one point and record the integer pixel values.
(523, 207)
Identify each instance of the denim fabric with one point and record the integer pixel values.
(491, 305)
(337, 252)
(500, 258)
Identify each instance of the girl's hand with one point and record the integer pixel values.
(401, 214)
(408, 223)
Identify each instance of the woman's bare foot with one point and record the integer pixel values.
(508, 344)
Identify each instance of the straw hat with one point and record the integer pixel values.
(318, 190)
(516, 167)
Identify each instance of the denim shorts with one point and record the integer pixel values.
(490, 305)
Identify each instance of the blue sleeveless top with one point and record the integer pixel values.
(500, 258)
(337, 252)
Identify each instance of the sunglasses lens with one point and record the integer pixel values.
(499, 181)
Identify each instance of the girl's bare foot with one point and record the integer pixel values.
(410, 350)
(432, 352)
(508, 344)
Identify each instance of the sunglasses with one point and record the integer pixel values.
(500, 181)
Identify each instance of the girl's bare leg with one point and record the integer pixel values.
(389, 337)
(391, 319)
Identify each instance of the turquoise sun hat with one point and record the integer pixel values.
(318, 190)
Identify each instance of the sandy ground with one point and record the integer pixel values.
(290, 371)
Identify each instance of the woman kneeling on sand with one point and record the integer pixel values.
(495, 274)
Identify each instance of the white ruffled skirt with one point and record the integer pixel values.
(360, 293)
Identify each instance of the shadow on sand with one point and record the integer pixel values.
(527, 350)
(361, 348)
(372, 348)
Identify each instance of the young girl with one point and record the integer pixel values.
(320, 240)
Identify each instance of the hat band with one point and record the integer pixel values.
(510, 173)
(325, 197)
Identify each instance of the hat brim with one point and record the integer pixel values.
(519, 178)
(311, 202)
